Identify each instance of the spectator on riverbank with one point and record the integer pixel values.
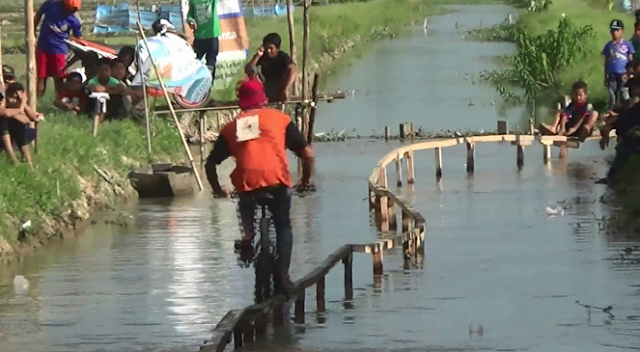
(278, 69)
(60, 18)
(14, 120)
(73, 98)
(127, 54)
(578, 119)
(203, 20)
(635, 38)
(103, 82)
(617, 53)
(89, 66)
(627, 127)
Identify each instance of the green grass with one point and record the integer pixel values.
(67, 150)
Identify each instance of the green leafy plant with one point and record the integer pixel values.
(540, 58)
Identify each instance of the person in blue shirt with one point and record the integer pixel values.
(60, 18)
(617, 53)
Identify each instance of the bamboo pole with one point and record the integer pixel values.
(173, 112)
(292, 39)
(144, 92)
(1, 76)
(30, 40)
(314, 106)
(305, 48)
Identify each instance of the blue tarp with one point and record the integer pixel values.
(267, 11)
(122, 18)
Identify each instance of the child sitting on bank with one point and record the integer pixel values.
(578, 119)
(15, 117)
(103, 82)
(73, 97)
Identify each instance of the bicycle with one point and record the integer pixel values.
(268, 280)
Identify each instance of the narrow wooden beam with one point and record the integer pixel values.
(377, 260)
(546, 154)
(30, 41)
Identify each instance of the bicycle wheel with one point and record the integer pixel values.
(263, 264)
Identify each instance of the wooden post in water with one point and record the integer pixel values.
(347, 261)
(314, 106)
(320, 300)
(384, 206)
(438, 152)
(520, 152)
(410, 168)
(387, 133)
(249, 332)
(261, 325)
(237, 337)
(377, 260)
(406, 221)
(299, 308)
(393, 216)
(292, 39)
(471, 155)
(399, 169)
(30, 41)
(546, 154)
(563, 151)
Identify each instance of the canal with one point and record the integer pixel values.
(494, 257)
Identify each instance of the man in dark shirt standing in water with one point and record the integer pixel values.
(277, 67)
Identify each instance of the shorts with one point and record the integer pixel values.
(50, 65)
(20, 134)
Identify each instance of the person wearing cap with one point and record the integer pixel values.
(617, 53)
(203, 20)
(257, 139)
(8, 75)
(277, 68)
(59, 18)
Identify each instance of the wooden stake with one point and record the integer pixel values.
(320, 300)
(438, 152)
(30, 39)
(292, 39)
(173, 112)
(314, 106)
(387, 133)
(348, 276)
(410, 169)
(471, 155)
(546, 156)
(144, 94)
(377, 261)
(1, 76)
(305, 47)
(399, 169)
(299, 308)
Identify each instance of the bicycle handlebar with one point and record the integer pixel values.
(296, 191)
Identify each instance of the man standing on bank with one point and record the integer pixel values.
(60, 18)
(203, 19)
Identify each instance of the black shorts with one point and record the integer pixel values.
(16, 130)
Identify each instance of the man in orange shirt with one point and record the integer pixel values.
(257, 139)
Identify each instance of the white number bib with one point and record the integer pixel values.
(248, 128)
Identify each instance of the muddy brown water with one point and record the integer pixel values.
(494, 258)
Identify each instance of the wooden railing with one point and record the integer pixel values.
(244, 325)
(383, 202)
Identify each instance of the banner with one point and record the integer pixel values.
(234, 42)
(181, 72)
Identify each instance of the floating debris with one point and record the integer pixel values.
(558, 210)
(20, 285)
(606, 310)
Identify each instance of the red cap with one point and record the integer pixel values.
(251, 94)
(72, 4)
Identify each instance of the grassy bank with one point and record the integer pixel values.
(587, 65)
(64, 187)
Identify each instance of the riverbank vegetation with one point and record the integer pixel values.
(588, 20)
